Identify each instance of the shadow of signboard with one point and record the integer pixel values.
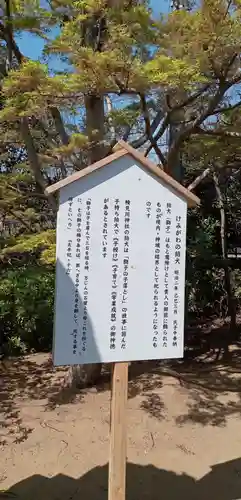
(223, 482)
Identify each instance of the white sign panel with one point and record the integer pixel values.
(120, 273)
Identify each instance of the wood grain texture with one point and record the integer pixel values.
(118, 432)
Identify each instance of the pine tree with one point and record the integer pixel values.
(123, 74)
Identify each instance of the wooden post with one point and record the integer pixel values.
(118, 434)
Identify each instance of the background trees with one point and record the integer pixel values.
(111, 70)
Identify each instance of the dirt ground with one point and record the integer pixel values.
(184, 435)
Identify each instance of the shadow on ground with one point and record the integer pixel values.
(27, 379)
(223, 482)
(213, 390)
(206, 373)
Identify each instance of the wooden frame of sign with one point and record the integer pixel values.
(121, 223)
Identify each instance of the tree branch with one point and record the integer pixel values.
(26, 135)
(109, 110)
(137, 143)
(8, 30)
(218, 133)
(7, 35)
(184, 134)
(20, 219)
(189, 100)
(34, 161)
(227, 108)
(58, 122)
(223, 241)
(123, 89)
(199, 179)
(236, 79)
(229, 65)
(159, 134)
(149, 131)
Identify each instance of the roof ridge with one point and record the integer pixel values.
(121, 149)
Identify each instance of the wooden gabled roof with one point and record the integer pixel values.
(122, 149)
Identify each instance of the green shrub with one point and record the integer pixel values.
(26, 308)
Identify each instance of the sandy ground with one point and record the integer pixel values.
(184, 439)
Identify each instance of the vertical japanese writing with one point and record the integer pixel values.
(105, 227)
(76, 306)
(70, 213)
(78, 227)
(166, 273)
(177, 257)
(178, 241)
(156, 285)
(85, 310)
(124, 310)
(69, 241)
(116, 230)
(115, 256)
(86, 269)
(77, 273)
(148, 209)
(69, 256)
(87, 235)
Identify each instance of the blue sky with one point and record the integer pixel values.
(31, 46)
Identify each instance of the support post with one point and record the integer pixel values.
(118, 434)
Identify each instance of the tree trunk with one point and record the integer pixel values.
(34, 162)
(175, 168)
(81, 376)
(95, 117)
(88, 375)
(223, 238)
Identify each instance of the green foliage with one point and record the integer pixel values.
(181, 65)
(163, 69)
(27, 91)
(29, 244)
(204, 281)
(27, 259)
(76, 142)
(206, 292)
(26, 308)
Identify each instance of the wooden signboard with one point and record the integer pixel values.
(120, 274)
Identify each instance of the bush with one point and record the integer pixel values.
(26, 308)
